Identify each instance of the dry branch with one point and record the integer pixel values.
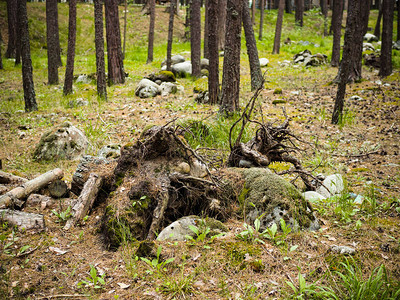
(7, 178)
(22, 219)
(85, 200)
(16, 195)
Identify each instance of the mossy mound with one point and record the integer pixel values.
(201, 85)
(163, 76)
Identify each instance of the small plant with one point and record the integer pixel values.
(201, 232)
(178, 287)
(95, 281)
(63, 216)
(310, 291)
(156, 264)
(251, 234)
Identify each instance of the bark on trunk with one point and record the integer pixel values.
(253, 12)
(252, 52)
(222, 23)
(170, 34)
(151, 31)
(213, 68)
(195, 38)
(99, 43)
(52, 47)
(116, 72)
(85, 201)
(288, 6)
(69, 68)
(337, 16)
(348, 53)
(377, 30)
(262, 8)
(23, 220)
(398, 21)
(299, 12)
(387, 36)
(1, 59)
(12, 28)
(278, 28)
(27, 70)
(205, 50)
(29, 187)
(125, 21)
(231, 71)
(324, 11)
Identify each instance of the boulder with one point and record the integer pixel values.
(264, 62)
(78, 103)
(396, 46)
(175, 59)
(372, 60)
(110, 151)
(162, 76)
(64, 142)
(368, 47)
(83, 78)
(168, 88)
(183, 69)
(204, 63)
(313, 197)
(332, 185)
(147, 88)
(369, 37)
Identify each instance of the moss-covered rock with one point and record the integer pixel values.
(201, 85)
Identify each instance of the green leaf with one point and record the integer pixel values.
(292, 286)
(24, 248)
(257, 224)
(302, 282)
(194, 229)
(293, 248)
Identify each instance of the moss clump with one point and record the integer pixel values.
(201, 85)
(279, 101)
(359, 170)
(278, 91)
(167, 76)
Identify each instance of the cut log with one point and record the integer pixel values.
(3, 189)
(16, 195)
(58, 188)
(22, 220)
(85, 200)
(7, 178)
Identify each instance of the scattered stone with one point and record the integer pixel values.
(110, 151)
(204, 72)
(183, 69)
(372, 60)
(202, 97)
(64, 142)
(183, 168)
(368, 47)
(369, 37)
(204, 63)
(168, 88)
(162, 76)
(295, 93)
(343, 249)
(200, 85)
(313, 197)
(396, 46)
(221, 53)
(264, 62)
(332, 185)
(147, 89)
(355, 98)
(175, 59)
(285, 63)
(83, 78)
(78, 103)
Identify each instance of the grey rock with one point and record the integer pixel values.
(64, 142)
(332, 185)
(396, 46)
(110, 151)
(368, 47)
(168, 88)
(285, 63)
(245, 164)
(78, 103)
(202, 97)
(264, 62)
(182, 69)
(313, 197)
(355, 98)
(221, 53)
(299, 59)
(343, 249)
(175, 59)
(204, 63)
(83, 78)
(179, 230)
(369, 37)
(147, 88)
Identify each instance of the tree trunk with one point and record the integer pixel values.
(205, 50)
(377, 31)
(1, 59)
(337, 16)
(12, 28)
(18, 43)
(278, 28)
(288, 6)
(253, 12)
(213, 67)
(299, 12)
(324, 11)
(398, 21)
(187, 20)
(348, 53)
(195, 38)
(27, 71)
(23, 220)
(69, 68)
(99, 43)
(222, 23)
(262, 8)
(252, 52)
(116, 72)
(52, 48)
(125, 12)
(170, 33)
(387, 36)
(151, 31)
(6, 178)
(231, 70)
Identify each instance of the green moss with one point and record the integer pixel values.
(278, 91)
(279, 101)
(168, 74)
(359, 170)
(200, 85)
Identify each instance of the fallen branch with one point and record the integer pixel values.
(85, 200)
(10, 178)
(357, 155)
(22, 219)
(16, 195)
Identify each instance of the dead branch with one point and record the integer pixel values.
(10, 178)
(22, 219)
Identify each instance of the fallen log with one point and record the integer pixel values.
(16, 195)
(22, 219)
(7, 178)
(86, 199)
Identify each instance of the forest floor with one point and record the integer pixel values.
(364, 148)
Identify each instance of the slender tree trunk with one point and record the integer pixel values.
(252, 52)
(387, 36)
(195, 38)
(377, 31)
(278, 28)
(231, 71)
(18, 44)
(1, 59)
(253, 12)
(348, 53)
(170, 33)
(151, 31)
(12, 28)
(337, 16)
(262, 8)
(398, 21)
(222, 23)
(213, 68)
(99, 43)
(187, 20)
(116, 72)
(288, 6)
(205, 50)
(324, 11)
(52, 55)
(125, 12)
(299, 12)
(69, 69)
(27, 71)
